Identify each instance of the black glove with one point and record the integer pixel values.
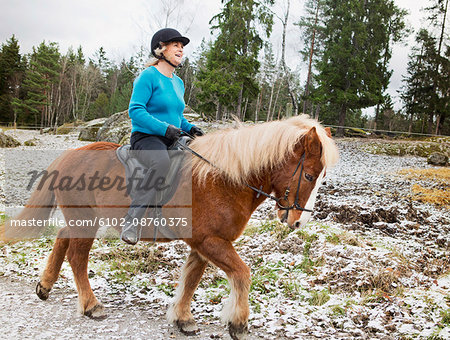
(196, 131)
(173, 133)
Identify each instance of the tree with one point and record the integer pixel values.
(11, 74)
(232, 60)
(312, 29)
(418, 92)
(39, 83)
(396, 32)
(351, 73)
(437, 18)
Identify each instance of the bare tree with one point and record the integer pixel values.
(284, 22)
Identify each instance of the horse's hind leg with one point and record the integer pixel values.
(54, 262)
(78, 256)
(180, 311)
(222, 253)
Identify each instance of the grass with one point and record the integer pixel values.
(124, 263)
(440, 175)
(438, 193)
(308, 265)
(434, 196)
(167, 289)
(338, 310)
(274, 228)
(264, 277)
(344, 237)
(291, 289)
(318, 298)
(446, 317)
(375, 296)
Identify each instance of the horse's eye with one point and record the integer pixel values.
(309, 177)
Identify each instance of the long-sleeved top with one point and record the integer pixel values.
(156, 102)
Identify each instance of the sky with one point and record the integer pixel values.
(121, 27)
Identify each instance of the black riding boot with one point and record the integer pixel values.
(141, 200)
(131, 229)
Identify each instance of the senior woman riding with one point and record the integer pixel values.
(156, 112)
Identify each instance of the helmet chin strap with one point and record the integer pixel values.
(163, 57)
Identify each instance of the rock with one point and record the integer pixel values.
(354, 132)
(65, 129)
(437, 158)
(115, 129)
(190, 114)
(90, 129)
(8, 141)
(30, 142)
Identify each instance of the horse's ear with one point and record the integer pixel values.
(328, 131)
(312, 141)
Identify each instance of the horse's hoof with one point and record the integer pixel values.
(188, 327)
(42, 292)
(238, 332)
(97, 312)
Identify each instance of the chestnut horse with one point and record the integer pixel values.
(264, 156)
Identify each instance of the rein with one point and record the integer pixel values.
(259, 191)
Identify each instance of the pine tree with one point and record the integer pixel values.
(437, 14)
(11, 74)
(418, 93)
(351, 73)
(232, 61)
(40, 80)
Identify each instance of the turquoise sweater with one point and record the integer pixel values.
(156, 102)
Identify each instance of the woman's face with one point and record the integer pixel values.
(174, 52)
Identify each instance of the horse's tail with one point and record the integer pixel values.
(26, 225)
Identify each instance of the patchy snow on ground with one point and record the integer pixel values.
(371, 264)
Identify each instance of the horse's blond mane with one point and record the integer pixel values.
(244, 152)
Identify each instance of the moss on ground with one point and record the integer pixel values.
(402, 148)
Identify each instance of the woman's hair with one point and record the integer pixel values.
(158, 51)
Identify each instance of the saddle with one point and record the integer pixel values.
(172, 180)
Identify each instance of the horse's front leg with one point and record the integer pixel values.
(236, 311)
(180, 311)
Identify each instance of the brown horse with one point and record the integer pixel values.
(264, 156)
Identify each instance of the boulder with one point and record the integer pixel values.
(88, 132)
(437, 158)
(8, 141)
(354, 132)
(191, 115)
(65, 129)
(115, 129)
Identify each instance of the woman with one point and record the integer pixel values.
(156, 112)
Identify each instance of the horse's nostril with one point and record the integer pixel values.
(297, 224)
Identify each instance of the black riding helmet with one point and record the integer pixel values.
(166, 35)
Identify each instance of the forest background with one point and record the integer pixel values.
(344, 48)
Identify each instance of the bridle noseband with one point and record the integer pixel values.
(278, 200)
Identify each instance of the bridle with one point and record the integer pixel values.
(280, 201)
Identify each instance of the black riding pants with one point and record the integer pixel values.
(152, 152)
